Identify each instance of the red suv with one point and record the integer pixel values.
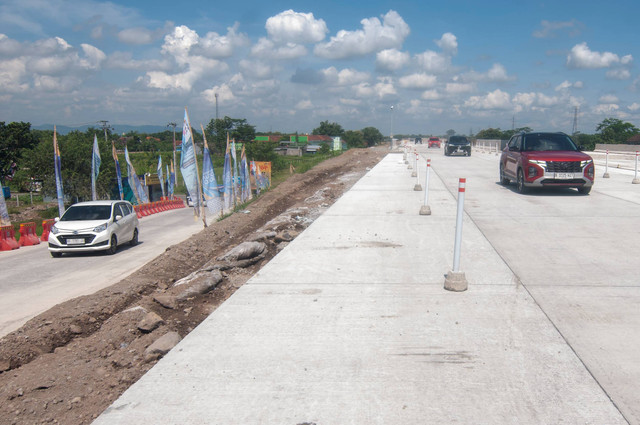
(546, 160)
(434, 142)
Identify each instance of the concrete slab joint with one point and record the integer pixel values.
(455, 281)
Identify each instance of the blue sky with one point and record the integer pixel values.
(287, 66)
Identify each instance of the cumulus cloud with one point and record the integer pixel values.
(535, 101)
(619, 74)
(214, 45)
(582, 57)
(344, 77)
(267, 49)
(418, 81)
(224, 92)
(550, 29)
(431, 61)
(448, 43)
(374, 36)
(457, 88)
(608, 98)
(607, 108)
(138, 35)
(634, 106)
(12, 76)
(496, 74)
(294, 27)
(392, 59)
(566, 85)
(430, 95)
(496, 99)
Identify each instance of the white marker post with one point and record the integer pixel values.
(418, 186)
(606, 165)
(425, 209)
(415, 163)
(455, 280)
(636, 180)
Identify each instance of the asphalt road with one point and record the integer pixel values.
(577, 257)
(31, 281)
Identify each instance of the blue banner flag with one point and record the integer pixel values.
(134, 181)
(188, 164)
(118, 174)
(227, 180)
(58, 170)
(171, 180)
(210, 183)
(95, 167)
(160, 179)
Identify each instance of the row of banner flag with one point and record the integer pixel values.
(235, 187)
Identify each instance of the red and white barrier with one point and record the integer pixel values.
(28, 235)
(8, 238)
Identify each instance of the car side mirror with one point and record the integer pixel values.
(57, 219)
(118, 217)
(580, 148)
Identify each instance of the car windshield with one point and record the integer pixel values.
(458, 140)
(87, 212)
(548, 142)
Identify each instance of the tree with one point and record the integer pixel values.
(613, 130)
(238, 129)
(15, 139)
(451, 132)
(328, 129)
(489, 133)
(372, 136)
(354, 139)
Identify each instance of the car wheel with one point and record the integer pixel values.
(584, 190)
(134, 239)
(521, 187)
(503, 179)
(55, 254)
(113, 247)
(469, 153)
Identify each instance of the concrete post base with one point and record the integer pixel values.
(635, 181)
(425, 210)
(409, 167)
(417, 187)
(414, 174)
(606, 176)
(455, 281)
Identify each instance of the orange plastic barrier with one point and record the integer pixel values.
(136, 208)
(46, 229)
(28, 235)
(8, 238)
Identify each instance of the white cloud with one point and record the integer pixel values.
(267, 49)
(496, 74)
(418, 81)
(566, 85)
(257, 69)
(634, 106)
(496, 99)
(619, 74)
(550, 29)
(304, 104)
(93, 57)
(448, 43)
(582, 57)
(134, 36)
(12, 74)
(344, 77)
(608, 98)
(374, 36)
(392, 59)
(214, 45)
(430, 95)
(350, 102)
(224, 92)
(608, 108)
(431, 61)
(294, 27)
(457, 88)
(385, 87)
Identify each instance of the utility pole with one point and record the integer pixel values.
(105, 127)
(575, 121)
(513, 123)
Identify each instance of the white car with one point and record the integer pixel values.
(94, 226)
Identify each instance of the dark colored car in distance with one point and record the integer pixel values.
(434, 142)
(539, 159)
(457, 145)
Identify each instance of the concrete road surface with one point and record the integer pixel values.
(350, 322)
(31, 281)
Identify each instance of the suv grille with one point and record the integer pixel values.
(563, 166)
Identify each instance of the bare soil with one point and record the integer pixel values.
(70, 363)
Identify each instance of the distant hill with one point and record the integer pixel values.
(117, 128)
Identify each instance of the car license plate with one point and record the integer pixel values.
(564, 176)
(75, 241)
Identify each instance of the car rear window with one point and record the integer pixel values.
(458, 140)
(87, 212)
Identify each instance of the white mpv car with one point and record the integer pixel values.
(94, 226)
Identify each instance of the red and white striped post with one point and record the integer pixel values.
(425, 209)
(606, 165)
(414, 173)
(455, 279)
(636, 180)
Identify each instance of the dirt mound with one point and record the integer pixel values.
(70, 363)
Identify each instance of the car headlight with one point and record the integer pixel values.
(100, 228)
(585, 163)
(538, 162)
(54, 230)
